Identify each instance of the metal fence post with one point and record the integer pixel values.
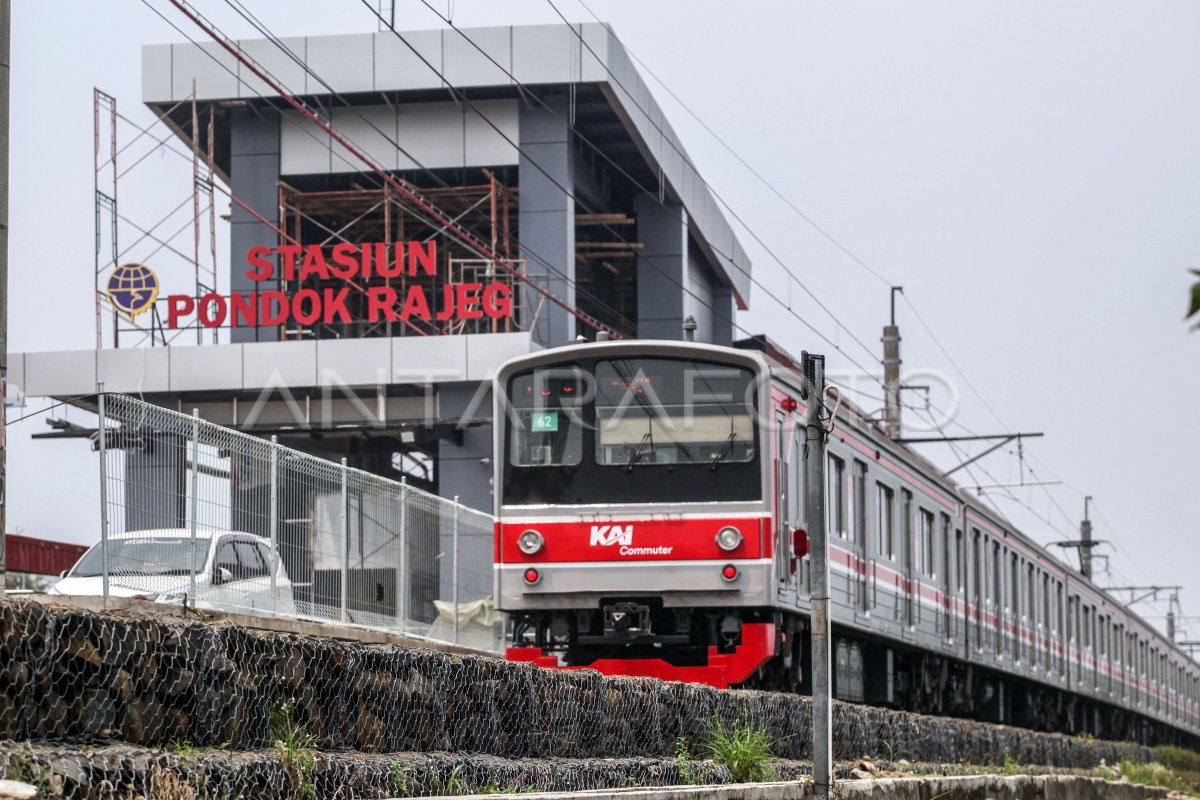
(273, 518)
(455, 567)
(345, 542)
(103, 492)
(403, 587)
(195, 499)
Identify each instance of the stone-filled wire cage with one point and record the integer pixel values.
(199, 514)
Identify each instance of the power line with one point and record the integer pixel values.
(667, 140)
(682, 155)
(813, 223)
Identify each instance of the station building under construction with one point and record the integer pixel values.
(407, 211)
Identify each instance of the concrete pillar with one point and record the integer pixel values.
(723, 316)
(547, 219)
(155, 483)
(465, 471)
(253, 171)
(662, 269)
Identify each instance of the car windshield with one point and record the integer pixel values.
(153, 555)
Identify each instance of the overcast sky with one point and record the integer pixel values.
(1029, 172)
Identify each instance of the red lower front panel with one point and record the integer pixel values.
(722, 671)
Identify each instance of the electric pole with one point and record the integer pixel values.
(813, 368)
(891, 373)
(5, 53)
(1085, 541)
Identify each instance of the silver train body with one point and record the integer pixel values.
(939, 604)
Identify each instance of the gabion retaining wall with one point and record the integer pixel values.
(70, 675)
(125, 771)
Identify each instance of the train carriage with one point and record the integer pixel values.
(650, 520)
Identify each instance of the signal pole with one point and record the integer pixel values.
(1085, 541)
(813, 367)
(891, 373)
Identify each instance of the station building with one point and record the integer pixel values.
(481, 195)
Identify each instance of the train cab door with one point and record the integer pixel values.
(780, 507)
(788, 515)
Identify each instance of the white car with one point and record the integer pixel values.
(233, 570)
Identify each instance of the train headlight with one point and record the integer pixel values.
(729, 538)
(530, 542)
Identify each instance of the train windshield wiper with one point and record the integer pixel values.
(645, 444)
(725, 450)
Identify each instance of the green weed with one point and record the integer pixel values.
(745, 750)
(296, 745)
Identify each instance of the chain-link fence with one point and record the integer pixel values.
(199, 514)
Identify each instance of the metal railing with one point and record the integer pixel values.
(197, 513)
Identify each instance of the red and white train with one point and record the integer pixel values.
(650, 521)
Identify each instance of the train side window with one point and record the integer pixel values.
(927, 551)
(858, 525)
(960, 562)
(977, 582)
(885, 510)
(946, 583)
(1047, 621)
(1061, 628)
(998, 596)
(1031, 614)
(835, 496)
(1014, 578)
(905, 551)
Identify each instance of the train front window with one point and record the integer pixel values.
(546, 420)
(642, 429)
(669, 411)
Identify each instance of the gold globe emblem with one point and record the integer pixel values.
(132, 289)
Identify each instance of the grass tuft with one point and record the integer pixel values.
(745, 750)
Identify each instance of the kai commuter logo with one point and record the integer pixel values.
(622, 537)
(608, 535)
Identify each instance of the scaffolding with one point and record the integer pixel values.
(111, 251)
(487, 211)
(475, 225)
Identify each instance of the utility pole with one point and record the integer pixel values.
(1085, 541)
(5, 54)
(891, 373)
(813, 367)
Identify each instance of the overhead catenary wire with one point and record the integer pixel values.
(733, 152)
(754, 281)
(466, 101)
(753, 234)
